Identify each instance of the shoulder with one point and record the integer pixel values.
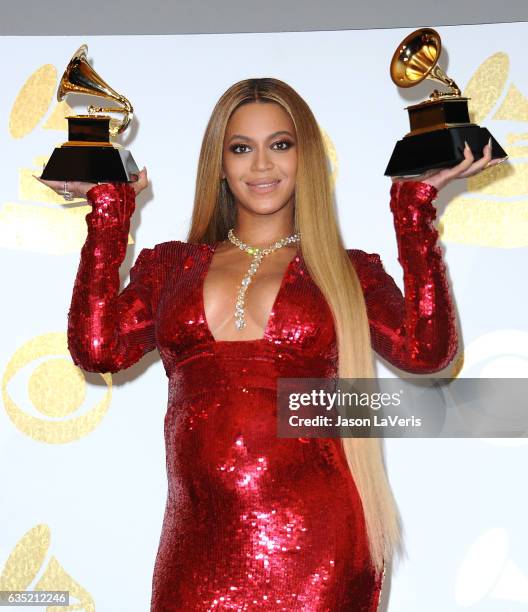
(363, 260)
(172, 252)
(370, 270)
(155, 264)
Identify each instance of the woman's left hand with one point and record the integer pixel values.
(79, 189)
(467, 167)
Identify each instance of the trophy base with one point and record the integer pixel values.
(91, 164)
(442, 148)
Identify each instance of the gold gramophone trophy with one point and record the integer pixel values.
(440, 124)
(88, 155)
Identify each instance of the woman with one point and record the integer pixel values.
(251, 520)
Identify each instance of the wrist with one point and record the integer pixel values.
(412, 206)
(415, 191)
(112, 202)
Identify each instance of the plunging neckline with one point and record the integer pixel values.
(211, 251)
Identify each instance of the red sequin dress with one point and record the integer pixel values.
(254, 522)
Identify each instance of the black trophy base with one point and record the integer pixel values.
(443, 148)
(91, 164)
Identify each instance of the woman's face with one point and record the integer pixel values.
(260, 157)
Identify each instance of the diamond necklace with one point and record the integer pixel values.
(257, 256)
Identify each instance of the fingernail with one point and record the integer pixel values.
(466, 144)
(489, 142)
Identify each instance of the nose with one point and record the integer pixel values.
(261, 160)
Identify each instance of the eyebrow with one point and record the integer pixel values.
(242, 137)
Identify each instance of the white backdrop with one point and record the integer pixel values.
(82, 456)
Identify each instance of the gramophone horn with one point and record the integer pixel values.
(88, 155)
(79, 77)
(416, 59)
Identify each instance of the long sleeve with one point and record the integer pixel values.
(415, 331)
(107, 330)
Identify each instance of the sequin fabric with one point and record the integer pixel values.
(254, 522)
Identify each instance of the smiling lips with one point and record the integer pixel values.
(264, 185)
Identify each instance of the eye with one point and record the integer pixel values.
(234, 147)
(287, 144)
(280, 145)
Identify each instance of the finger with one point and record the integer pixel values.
(136, 186)
(139, 174)
(463, 166)
(475, 168)
(497, 161)
(487, 151)
(142, 177)
(55, 185)
(142, 182)
(468, 160)
(481, 164)
(486, 154)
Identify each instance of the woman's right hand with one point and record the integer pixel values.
(80, 189)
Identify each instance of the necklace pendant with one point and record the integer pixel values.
(257, 254)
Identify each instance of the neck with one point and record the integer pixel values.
(262, 230)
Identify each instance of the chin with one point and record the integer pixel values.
(265, 208)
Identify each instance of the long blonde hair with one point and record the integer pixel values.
(329, 267)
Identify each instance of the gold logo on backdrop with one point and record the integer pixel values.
(56, 389)
(28, 559)
(331, 154)
(41, 221)
(493, 211)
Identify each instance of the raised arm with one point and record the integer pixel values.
(107, 330)
(415, 331)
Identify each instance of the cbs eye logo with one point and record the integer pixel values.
(41, 370)
(502, 353)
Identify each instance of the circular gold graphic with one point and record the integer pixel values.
(52, 376)
(57, 389)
